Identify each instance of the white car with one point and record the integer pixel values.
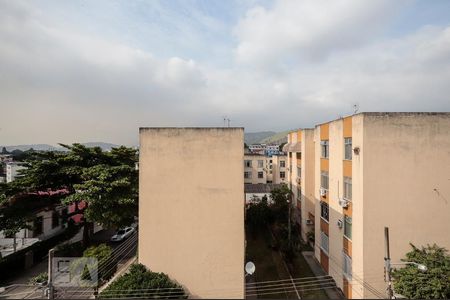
(122, 234)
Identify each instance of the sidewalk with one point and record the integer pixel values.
(318, 271)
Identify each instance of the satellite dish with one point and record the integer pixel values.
(250, 268)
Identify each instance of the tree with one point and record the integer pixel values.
(258, 215)
(4, 151)
(280, 197)
(106, 181)
(142, 283)
(431, 284)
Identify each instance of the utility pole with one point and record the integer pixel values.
(51, 292)
(387, 262)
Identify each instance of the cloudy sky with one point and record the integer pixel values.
(97, 70)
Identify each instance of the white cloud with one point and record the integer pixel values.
(59, 85)
(309, 29)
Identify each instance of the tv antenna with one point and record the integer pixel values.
(355, 108)
(226, 121)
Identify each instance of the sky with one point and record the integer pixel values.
(80, 71)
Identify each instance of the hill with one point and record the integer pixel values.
(47, 147)
(266, 137)
(256, 137)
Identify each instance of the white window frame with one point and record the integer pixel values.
(284, 174)
(346, 218)
(260, 163)
(348, 144)
(247, 163)
(322, 175)
(348, 188)
(322, 203)
(325, 149)
(347, 266)
(282, 164)
(249, 174)
(261, 173)
(324, 242)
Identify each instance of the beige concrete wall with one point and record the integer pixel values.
(316, 191)
(276, 169)
(307, 179)
(255, 169)
(335, 192)
(406, 185)
(358, 208)
(191, 208)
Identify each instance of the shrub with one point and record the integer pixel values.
(39, 279)
(69, 250)
(142, 283)
(107, 263)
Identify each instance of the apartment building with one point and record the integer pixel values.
(191, 213)
(374, 170)
(279, 168)
(256, 168)
(261, 169)
(300, 159)
(13, 170)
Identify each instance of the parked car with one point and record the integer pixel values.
(122, 234)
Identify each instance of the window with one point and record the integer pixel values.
(260, 174)
(324, 179)
(299, 193)
(324, 211)
(324, 241)
(282, 175)
(248, 163)
(324, 147)
(248, 175)
(55, 219)
(299, 172)
(282, 163)
(348, 227)
(260, 164)
(348, 148)
(348, 188)
(347, 267)
(299, 155)
(38, 226)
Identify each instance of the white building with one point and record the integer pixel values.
(12, 170)
(48, 223)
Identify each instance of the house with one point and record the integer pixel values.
(13, 170)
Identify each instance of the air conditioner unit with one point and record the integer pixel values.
(339, 223)
(323, 192)
(309, 222)
(343, 203)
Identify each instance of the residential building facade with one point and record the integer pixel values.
(191, 213)
(12, 170)
(374, 170)
(255, 168)
(300, 159)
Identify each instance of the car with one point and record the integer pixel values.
(122, 234)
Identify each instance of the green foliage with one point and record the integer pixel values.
(107, 264)
(39, 279)
(258, 215)
(106, 181)
(142, 283)
(69, 250)
(431, 284)
(280, 207)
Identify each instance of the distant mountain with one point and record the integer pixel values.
(47, 147)
(278, 138)
(256, 137)
(265, 137)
